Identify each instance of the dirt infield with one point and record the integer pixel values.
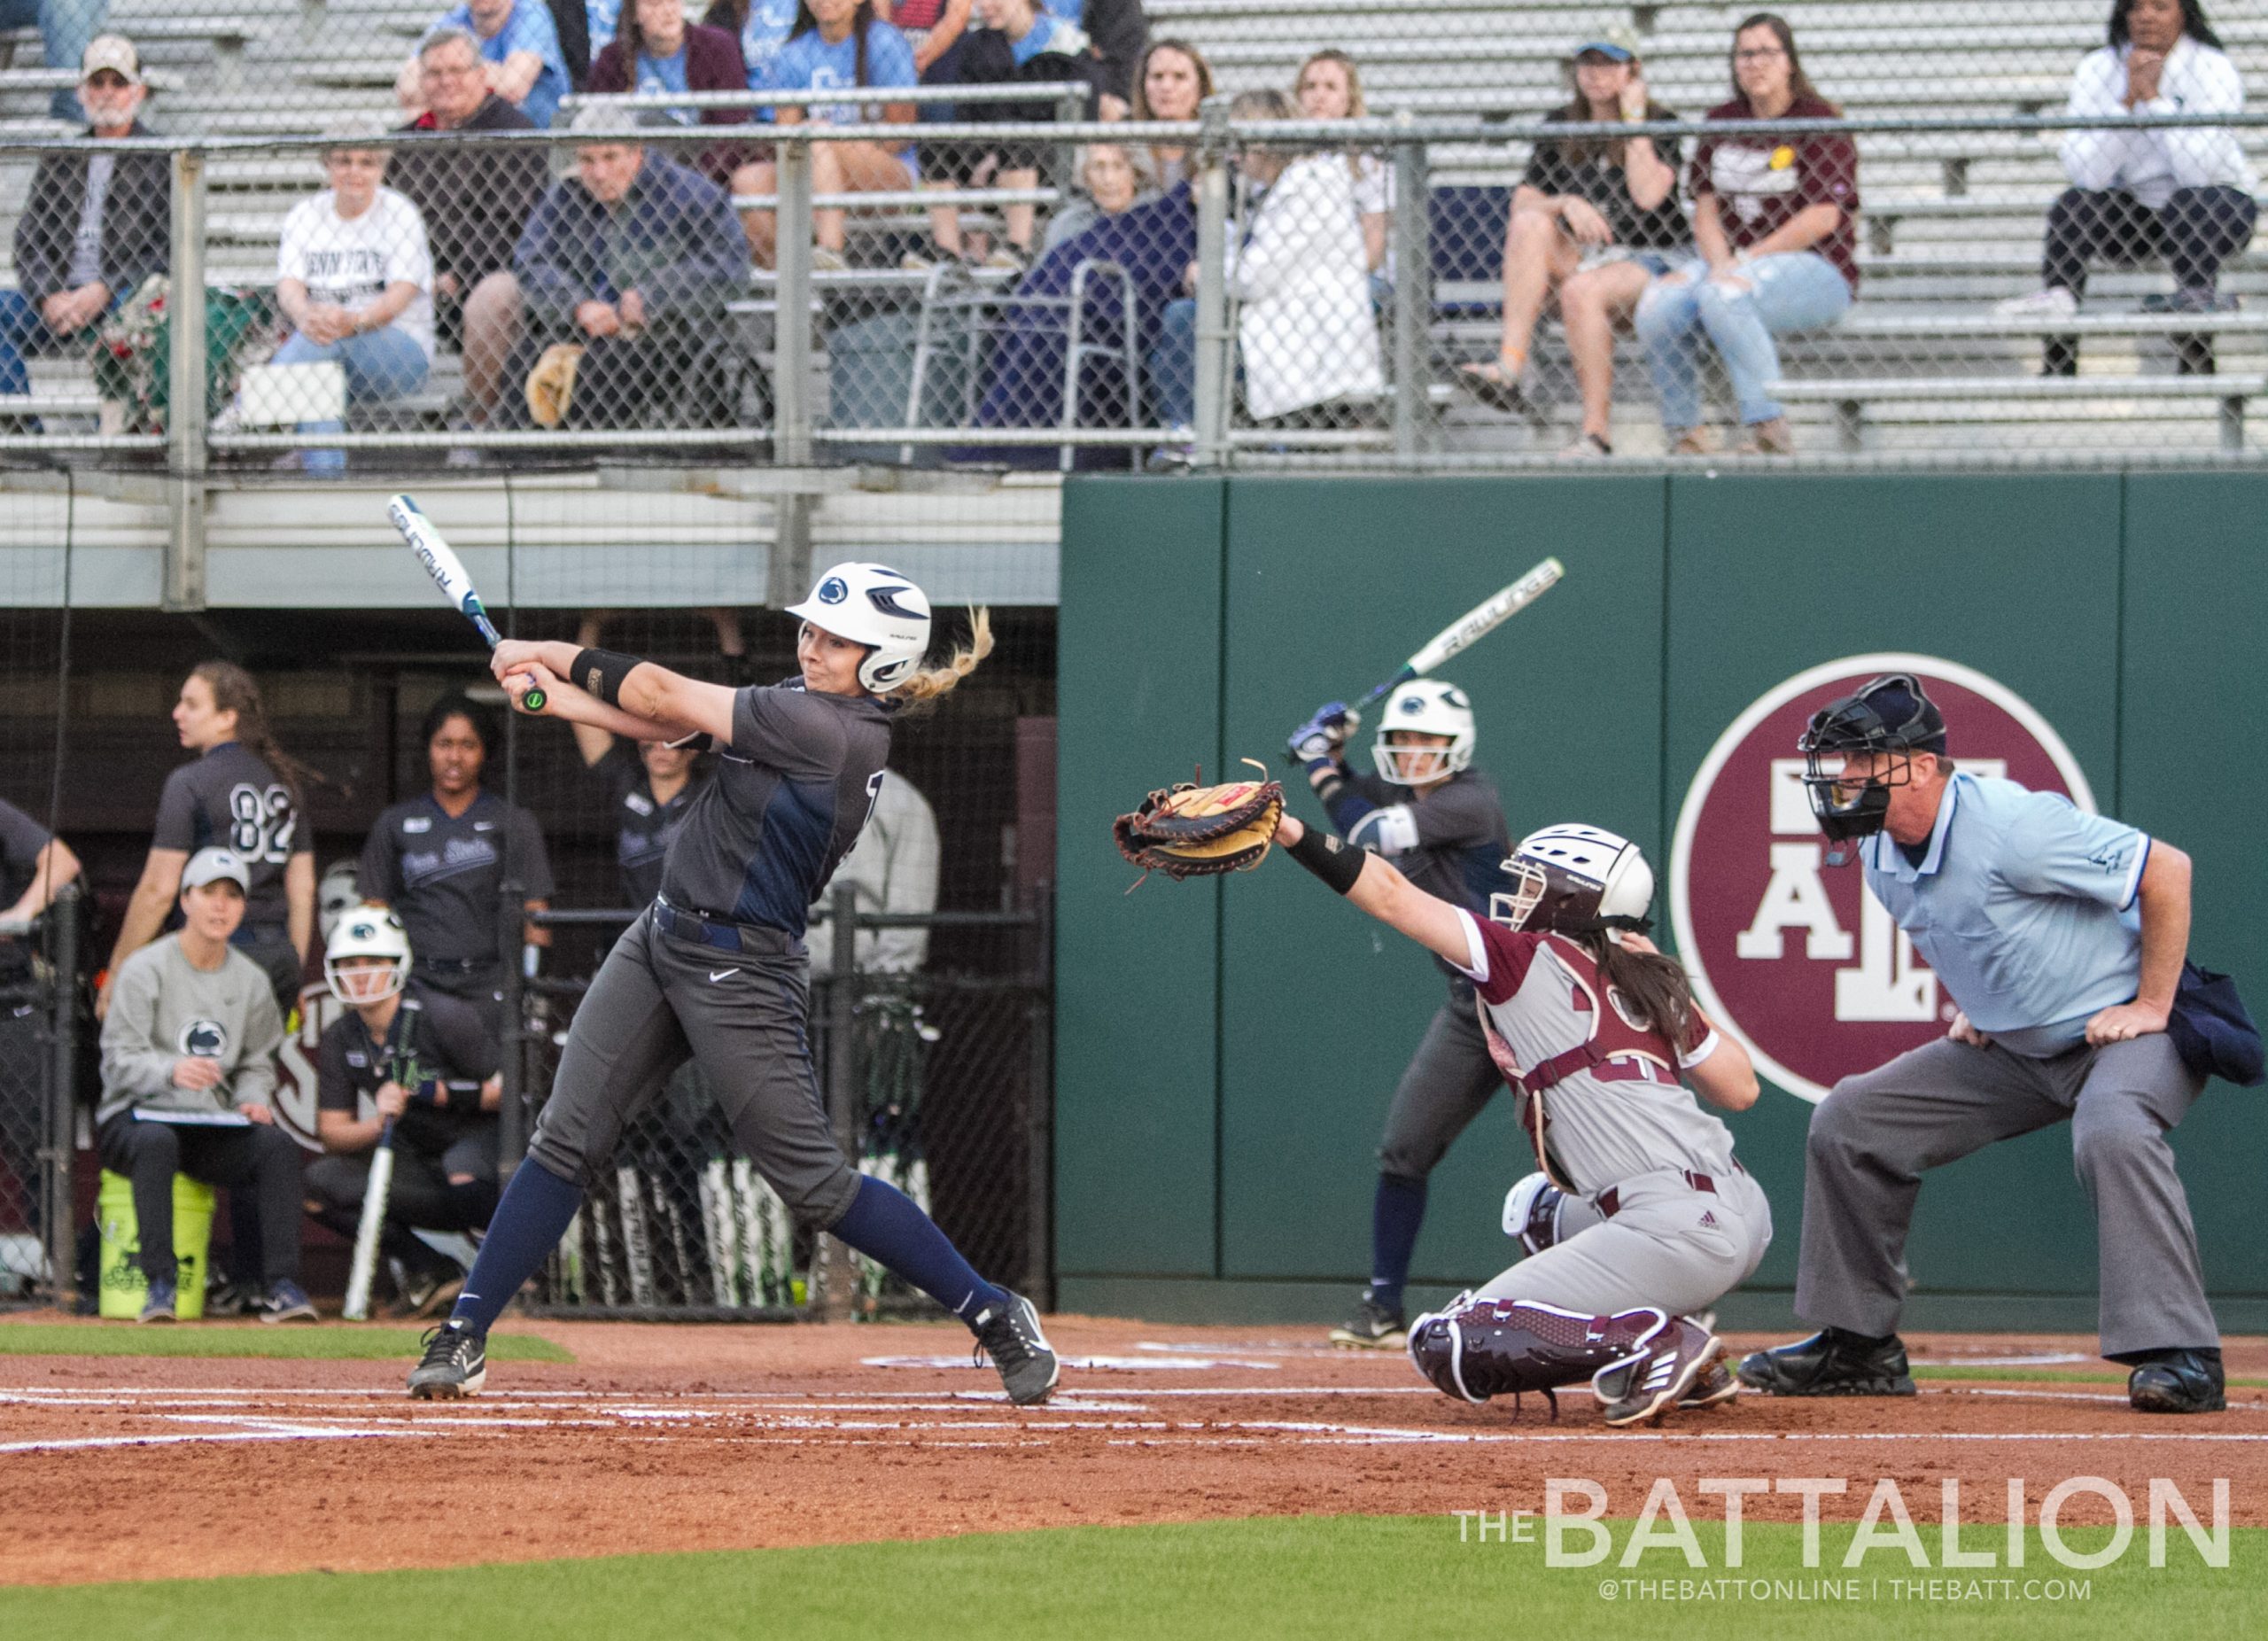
(693, 1438)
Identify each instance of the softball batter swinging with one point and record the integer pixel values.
(715, 970)
(1641, 1218)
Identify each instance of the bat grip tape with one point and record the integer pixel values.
(600, 673)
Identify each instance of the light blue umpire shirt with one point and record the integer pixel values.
(2024, 906)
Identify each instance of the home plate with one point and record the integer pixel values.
(1092, 1364)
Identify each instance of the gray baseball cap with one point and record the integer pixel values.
(210, 866)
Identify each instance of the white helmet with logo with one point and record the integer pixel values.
(873, 605)
(367, 931)
(340, 893)
(1424, 706)
(1575, 879)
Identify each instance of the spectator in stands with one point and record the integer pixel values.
(1116, 31)
(1329, 87)
(571, 21)
(93, 226)
(1108, 186)
(656, 51)
(1020, 42)
(189, 1078)
(428, 1066)
(1776, 226)
(474, 200)
(67, 29)
(2183, 193)
(629, 261)
(761, 28)
(440, 861)
(519, 45)
(1591, 221)
(834, 43)
(893, 868)
(243, 793)
(1306, 338)
(600, 20)
(1174, 78)
(933, 28)
(354, 279)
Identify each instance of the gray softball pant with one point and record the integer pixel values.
(1448, 1082)
(1666, 1244)
(659, 1001)
(1876, 1134)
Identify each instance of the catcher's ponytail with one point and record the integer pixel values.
(1655, 988)
(933, 683)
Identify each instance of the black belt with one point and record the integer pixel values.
(723, 935)
(1610, 1201)
(455, 965)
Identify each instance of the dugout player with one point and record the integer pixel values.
(439, 859)
(1593, 1028)
(715, 970)
(2060, 937)
(426, 1062)
(35, 867)
(1432, 813)
(244, 795)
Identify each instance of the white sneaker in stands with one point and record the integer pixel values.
(2054, 302)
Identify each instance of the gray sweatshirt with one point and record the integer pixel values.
(163, 1010)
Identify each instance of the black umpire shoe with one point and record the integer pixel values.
(2177, 1381)
(1011, 1335)
(1373, 1327)
(455, 1364)
(1831, 1362)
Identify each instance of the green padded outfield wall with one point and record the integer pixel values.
(1225, 1050)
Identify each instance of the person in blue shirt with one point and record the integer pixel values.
(2060, 937)
(834, 43)
(519, 43)
(761, 28)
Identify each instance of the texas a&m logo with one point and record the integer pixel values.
(1791, 956)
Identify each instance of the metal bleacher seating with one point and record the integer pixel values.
(1951, 223)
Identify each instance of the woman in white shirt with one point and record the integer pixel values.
(2185, 193)
(355, 279)
(1330, 87)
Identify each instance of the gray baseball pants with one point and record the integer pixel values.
(1447, 1084)
(1875, 1134)
(1666, 1244)
(659, 1001)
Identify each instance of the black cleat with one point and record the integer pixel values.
(1011, 1335)
(1831, 1362)
(2177, 1381)
(1373, 1327)
(455, 1364)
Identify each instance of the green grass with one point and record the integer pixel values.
(1239, 1581)
(238, 1339)
(2042, 1375)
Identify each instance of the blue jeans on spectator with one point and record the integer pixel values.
(65, 28)
(387, 363)
(22, 330)
(1173, 366)
(1792, 290)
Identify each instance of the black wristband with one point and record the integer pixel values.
(1333, 861)
(601, 671)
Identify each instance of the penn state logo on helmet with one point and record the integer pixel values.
(366, 959)
(1793, 957)
(1423, 706)
(204, 1040)
(874, 605)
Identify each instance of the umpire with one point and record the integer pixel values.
(1439, 821)
(2060, 937)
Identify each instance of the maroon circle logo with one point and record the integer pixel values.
(1793, 957)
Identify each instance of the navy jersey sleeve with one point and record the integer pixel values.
(798, 734)
(380, 869)
(176, 827)
(1462, 813)
(334, 1086)
(530, 862)
(461, 1042)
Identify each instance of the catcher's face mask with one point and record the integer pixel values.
(1859, 748)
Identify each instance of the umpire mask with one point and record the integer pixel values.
(1890, 719)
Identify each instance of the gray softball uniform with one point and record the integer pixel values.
(1659, 1211)
(715, 970)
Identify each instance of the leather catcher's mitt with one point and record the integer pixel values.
(1200, 831)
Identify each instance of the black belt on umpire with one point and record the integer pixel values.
(723, 935)
(1610, 1201)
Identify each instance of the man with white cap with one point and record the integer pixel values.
(95, 225)
(188, 1078)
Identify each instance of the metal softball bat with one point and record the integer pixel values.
(1468, 628)
(448, 574)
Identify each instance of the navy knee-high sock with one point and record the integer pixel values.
(1396, 1214)
(529, 1222)
(889, 1227)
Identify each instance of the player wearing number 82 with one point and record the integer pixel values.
(715, 969)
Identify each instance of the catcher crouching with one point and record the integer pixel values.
(1640, 1217)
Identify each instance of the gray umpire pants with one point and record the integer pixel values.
(1875, 1134)
(1666, 1244)
(659, 1001)
(1448, 1082)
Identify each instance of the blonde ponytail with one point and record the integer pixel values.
(933, 683)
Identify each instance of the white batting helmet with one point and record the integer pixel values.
(1575, 879)
(873, 605)
(1424, 706)
(367, 931)
(340, 893)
